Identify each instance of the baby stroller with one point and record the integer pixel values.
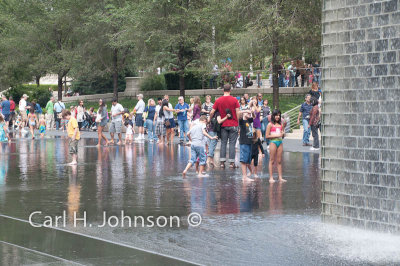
(87, 121)
(239, 83)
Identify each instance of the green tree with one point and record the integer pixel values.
(47, 34)
(175, 33)
(281, 29)
(108, 38)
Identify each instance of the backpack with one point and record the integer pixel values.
(215, 125)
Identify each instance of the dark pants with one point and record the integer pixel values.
(281, 80)
(57, 120)
(231, 134)
(314, 132)
(297, 75)
(213, 82)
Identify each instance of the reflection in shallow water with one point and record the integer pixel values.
(254, 220)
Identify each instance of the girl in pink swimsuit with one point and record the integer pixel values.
(275, 132)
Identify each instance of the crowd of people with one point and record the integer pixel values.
(244, 122)
(296, 72)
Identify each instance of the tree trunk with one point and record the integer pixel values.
(37, 78)
(181, 83)
(60, 86)
(65, 84)
(275, 75)
(115, 73)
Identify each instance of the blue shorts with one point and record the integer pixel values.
(139, 120)
(198, 152)
(245, 153)
(172, 123)
(6, 117)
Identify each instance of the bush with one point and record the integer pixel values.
(172, 80)
(41, 94)
(41, 87)
(99, 85)
(194, 80)
(153, 83)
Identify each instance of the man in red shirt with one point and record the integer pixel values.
(12, 110)
(229, 128)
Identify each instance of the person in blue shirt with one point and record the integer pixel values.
(58, 107)
(150, 110)
(38, 109)
(181, 109)
(317, 72)
(304, 112)
(260, 100)
(5, 109)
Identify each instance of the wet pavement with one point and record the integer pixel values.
(252, 223)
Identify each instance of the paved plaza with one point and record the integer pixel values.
(253, 223)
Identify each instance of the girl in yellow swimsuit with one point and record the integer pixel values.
(275, 133)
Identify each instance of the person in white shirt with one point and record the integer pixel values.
(169, 116)
(292, 70)
(139, 121)
(22, 109)
(116, 123)
(159, 121)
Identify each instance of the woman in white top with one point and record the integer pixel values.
(169, 121)
(80, 114)
(159, 120)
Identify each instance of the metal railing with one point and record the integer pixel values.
(291, 119)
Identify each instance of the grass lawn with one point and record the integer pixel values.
(286, 102)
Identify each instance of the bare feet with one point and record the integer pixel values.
(281, 180)
(222, 165)
(184, 174)
(247, 179)
(202, 175)
(232, 166)
(271, 181)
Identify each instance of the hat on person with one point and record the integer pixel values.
(23, 96)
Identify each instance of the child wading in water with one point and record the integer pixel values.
(275, 133)
(196, 135)
(255, 148)
(129, 132)
(18, 124)
(73, 135)
(4, 137)
(245, 141)
(42, 126)
(32, 120)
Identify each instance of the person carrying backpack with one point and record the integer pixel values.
(213, 129)
(58, 108)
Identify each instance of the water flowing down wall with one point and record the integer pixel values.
(361, 113)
